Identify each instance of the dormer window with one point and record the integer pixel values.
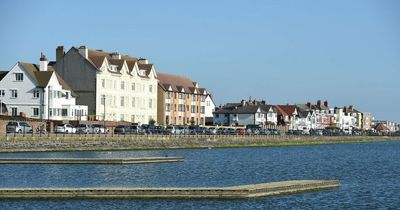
(142, 72)
(113, 68)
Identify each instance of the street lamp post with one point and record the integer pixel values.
(104, 111)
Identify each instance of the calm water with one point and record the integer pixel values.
(369, 174)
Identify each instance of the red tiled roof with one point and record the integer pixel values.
(286, 109)
(176, 82)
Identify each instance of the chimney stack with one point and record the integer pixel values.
(43, 62)
(116, 55)
(59, 53)
(326, 103)
(319, 103)
(143, 61)
(83, 50)
(309, 105)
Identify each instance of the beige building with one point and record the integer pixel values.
(180, 101)
(115, 87)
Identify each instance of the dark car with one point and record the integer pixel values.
(127, 129)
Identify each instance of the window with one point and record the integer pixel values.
(132, 118)
(167, 107)
(193, 108)
(193, 97)
(19, 76)
(121, 117)
(67, 95)
(180, 95)
(150, 103)
(64, 112)
(14, 111)
(168, 95)
(14, 93)
(2, 92)
(103, 83)
(122, 101)
(208, 103)
(133, 102)
(133, 86)
(217, 115)
(203, 109)
(35, 93)
(35, 111)
(150, 88)
(122, 85)
(203, 98)
(103, 99)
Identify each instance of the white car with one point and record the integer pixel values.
(65, 128)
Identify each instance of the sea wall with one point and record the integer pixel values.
(36, 142)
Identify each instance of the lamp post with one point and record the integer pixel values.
(104, 111)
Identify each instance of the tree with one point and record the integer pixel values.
(152, 122)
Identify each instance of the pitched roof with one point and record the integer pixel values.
(381, 127)
(288, 109)
(248, 109)
(176, 82)
(96, 57)
(3, 74)
(42, 77)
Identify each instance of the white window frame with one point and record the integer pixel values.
(36, 93)
(33, 112)
(16, 92)
(17, 78)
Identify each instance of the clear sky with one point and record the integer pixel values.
(346, 52)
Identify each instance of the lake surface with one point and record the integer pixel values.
(369, 175)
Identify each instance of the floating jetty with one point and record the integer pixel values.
(138, 160)
(235, 192)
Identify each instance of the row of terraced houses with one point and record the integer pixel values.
(87, 84)
(299, 117)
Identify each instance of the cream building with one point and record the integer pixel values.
(115, 87)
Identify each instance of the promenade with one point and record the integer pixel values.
(96, 142)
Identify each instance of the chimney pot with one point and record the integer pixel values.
(43, 62)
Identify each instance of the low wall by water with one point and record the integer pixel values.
(235, 192)
(35, 142)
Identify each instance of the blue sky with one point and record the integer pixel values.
(346, 52)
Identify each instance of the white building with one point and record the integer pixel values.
(209, 109)
(37, 91)
(115, 87)
(239, 115)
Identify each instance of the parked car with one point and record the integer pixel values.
(170, 129)
(212, 131)
(84, 129)
(65, 128)
(127, 129)
(241, 131)
(18, 127)
(99, 128)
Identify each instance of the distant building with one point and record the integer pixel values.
(366, 121)
(37, 91)
(250, 112)
(182, 102)
(391, 126)
(115, 87)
